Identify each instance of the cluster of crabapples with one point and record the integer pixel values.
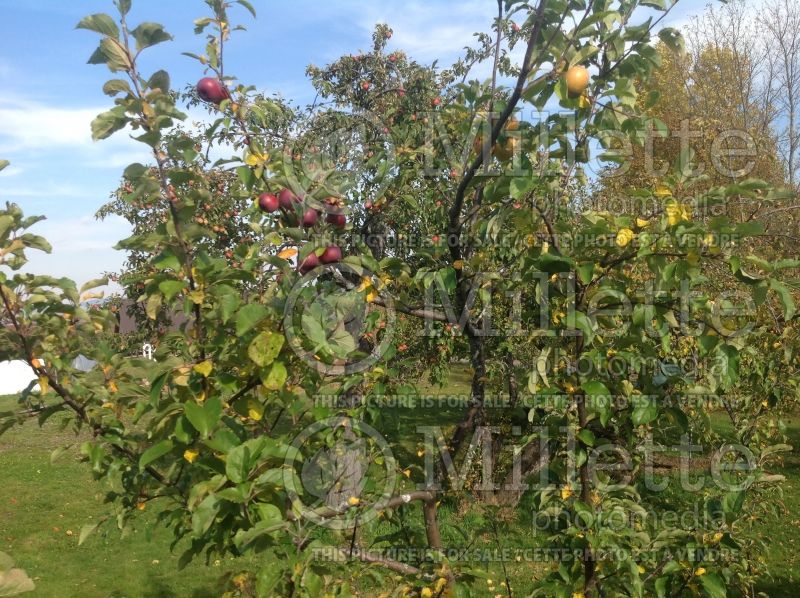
(293, 211)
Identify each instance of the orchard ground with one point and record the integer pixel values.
(44, 505)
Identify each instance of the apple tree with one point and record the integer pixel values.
(412, 217)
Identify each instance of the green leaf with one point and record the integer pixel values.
(785, 296)
(265, 348)
(598, 399)
(203, 416)
(93, 284)
(110, 53)
(149, 34)
(5, 224)
(87, 530)
(153, 304)
(36, 242)
(155, 452)
(521, 186)
(586, 437)
(100, 23)
(553, 264)
(248, 6)
(586, 272)
(171, 288)
(584, 54)
(672, 38)
(733, 502)
(275, 378)
(204, 516)
(644, 411)
(713, 586)
(447, 279)
(728, 364)
(248, 317)
(124, 6)
(4, 164)
(237, 464)
(108, 123)
(114, 86)
(159, 80)
(595, 388)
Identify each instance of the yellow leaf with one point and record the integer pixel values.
(700, 571)
(662, 191)
(458, 264)
(366, 283)
(287, 253)
(255, 158)
(353, 501)
(44, 384)
(686, 212)
(191, 455)
(624, 236)
(204, 368)
(426, 593)
(584, 102)
(255, 410)
(673, 211)
(566, 492)
(197, 297)
(371, 296)
(642, 223)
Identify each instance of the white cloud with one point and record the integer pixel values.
(82, 247)
(429, 31)
(32, 126)
(32, 129)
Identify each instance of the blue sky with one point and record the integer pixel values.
(50, 95)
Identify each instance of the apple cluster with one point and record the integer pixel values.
(293, 210)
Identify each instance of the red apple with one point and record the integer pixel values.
(392, 58)
(435, 238)
(338, 220)
(514, 27)
(212, 90)
(332, 254)
(287, 199)
(308, 264)
(268, 202)
(436, 101)
(365, 85)
(310, 217)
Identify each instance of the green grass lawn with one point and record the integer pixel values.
(43, 506)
